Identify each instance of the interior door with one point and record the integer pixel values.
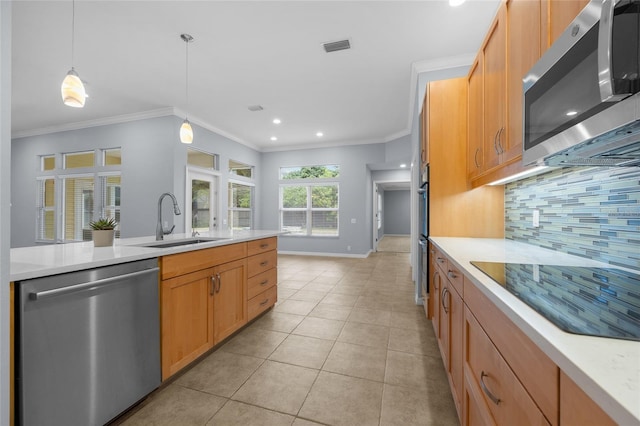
(202, 201)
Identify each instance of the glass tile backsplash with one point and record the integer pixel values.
(590, 212)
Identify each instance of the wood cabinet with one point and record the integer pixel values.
(186, 319)
(449, 324)
(205, 297)
(230, 299)
(475, 153)
(494, 76)
(524, 42)
(560, 13)
(577, 409)
(495, 391)
(262, 272)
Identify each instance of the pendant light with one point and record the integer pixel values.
(186, 132)
(72, 89)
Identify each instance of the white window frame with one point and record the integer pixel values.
(231, 209)
(212, 176)
(308, 184)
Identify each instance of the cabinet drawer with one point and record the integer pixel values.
(183, 263)
(440, 260)
(262, 302)
(455, 277)
(262, 282)
(503, 394)
(262, 262)
(534, 369)
(260, 246)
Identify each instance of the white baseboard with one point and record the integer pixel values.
(311, 253)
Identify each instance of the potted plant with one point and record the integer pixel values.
(103, 231)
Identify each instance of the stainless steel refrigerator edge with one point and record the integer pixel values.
(88, 344)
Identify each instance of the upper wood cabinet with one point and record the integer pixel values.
(494, 57)
(475, 154)
(560, 13)
(523, 50)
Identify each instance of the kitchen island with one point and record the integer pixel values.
(202, 290)
(607, 370)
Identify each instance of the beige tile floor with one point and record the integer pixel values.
(345, 345)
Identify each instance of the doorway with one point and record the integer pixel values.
(201, 204)
(392, 216)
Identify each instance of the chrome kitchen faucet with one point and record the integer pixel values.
(160, 231)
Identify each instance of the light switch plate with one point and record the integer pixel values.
(536, 218)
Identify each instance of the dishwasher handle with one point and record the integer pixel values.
(86, 286)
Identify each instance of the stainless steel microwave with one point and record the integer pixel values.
(582, 98)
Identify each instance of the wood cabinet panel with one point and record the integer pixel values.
(456, 348)
(184, 263)
(260, 246)
(186, 318)
(259, 283)
(535, 370)
(262, 302)
(560, 15)
(577, 408)
(502, 393)
(262, 262)
(230, 299)
(475, 153)
(494, 54)
(475, 411)
(523, 50)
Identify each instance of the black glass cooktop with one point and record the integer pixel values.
(593, 301)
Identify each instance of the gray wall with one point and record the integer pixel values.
(153, 162)
(5, 192)
(397, 217)
(355, 200)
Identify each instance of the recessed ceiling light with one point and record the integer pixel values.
(571, 113)
(319, 134)
(402, 166)
(273, 138)
(276, 121)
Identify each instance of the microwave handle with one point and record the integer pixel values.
(605, 72)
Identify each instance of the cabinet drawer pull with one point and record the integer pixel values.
(265, 282)
(264, 245)
(213, 285)
(435, 281)
(441, 259)
(491, 396)
(475, 158)
(499, 141)
(264, 302)
(219, 282)
(452, 274)
(443, 298)
(265, 263)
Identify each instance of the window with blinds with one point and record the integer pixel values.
(68, 202)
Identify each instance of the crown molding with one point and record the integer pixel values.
(326, 144)
(161, 112)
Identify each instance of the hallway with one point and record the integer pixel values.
(345, 345)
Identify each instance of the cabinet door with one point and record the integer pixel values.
(577, 409)
(445, 323)
(230, 299)
(523, 50)
(561, 13)
(475, 155)
(456, 347)
(495, 91)
(187, 319)
(435, 290)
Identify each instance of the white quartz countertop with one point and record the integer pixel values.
(608, 370)
(44, 260)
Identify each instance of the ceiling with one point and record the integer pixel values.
(268, 53)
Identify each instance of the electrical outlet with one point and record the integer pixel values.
(353, 220)
(348, 248)
(536, 218)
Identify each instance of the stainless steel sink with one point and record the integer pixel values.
(183, 242)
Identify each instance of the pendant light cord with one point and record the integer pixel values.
(73, 31)
(186, 71)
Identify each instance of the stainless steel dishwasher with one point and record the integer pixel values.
(88, 344)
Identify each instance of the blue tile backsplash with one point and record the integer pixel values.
(590, 212)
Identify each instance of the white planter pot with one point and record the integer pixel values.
(103, 238)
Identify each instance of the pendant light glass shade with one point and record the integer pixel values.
(186, 132)
(72, 90)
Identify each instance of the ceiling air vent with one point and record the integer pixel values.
(334, 46)
(255, 108)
